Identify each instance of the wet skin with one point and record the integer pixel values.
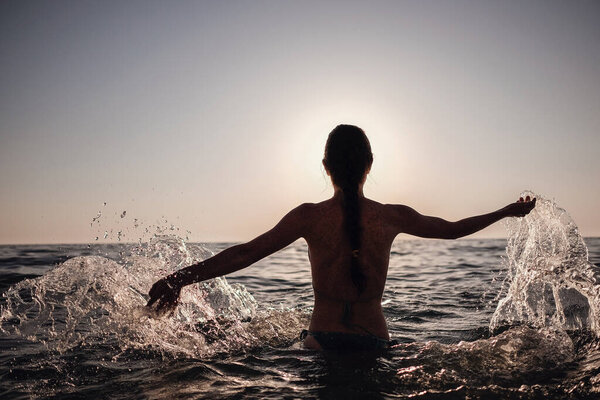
(321, 225)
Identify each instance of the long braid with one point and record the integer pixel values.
(348, 157)
(353, 232)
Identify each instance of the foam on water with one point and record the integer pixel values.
(552, 282)
(520, 354)
(93, 300)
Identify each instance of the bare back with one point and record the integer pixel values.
(330, 256)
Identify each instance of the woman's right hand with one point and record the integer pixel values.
(164, 297)
(521, 208)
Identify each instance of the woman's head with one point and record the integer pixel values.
(348, 156)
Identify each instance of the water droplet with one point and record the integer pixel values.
(105, 234)
(123, 214)
(97, 217)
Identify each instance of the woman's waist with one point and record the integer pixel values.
(357, 317)
(367, 299)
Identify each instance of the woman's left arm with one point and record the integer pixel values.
(164, 294)
(411, 222)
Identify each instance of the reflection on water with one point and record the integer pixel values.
(72, 322)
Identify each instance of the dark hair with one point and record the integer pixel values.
(347, 158)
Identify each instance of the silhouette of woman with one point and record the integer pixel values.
(349, 238)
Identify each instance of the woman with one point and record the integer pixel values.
(349, 239)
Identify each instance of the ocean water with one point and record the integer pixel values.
(479, 319)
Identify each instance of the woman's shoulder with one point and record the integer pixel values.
(385, 207)
(306, 210)
(311, 213)
(393, 213)
(396, 208)
(315, 207)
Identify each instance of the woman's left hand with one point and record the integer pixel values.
(164, 296)
(521, 208)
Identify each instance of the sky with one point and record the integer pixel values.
(209, 119)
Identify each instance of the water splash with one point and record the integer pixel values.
(93, 300)
(553, 290)
(552, 282)
(511, 358)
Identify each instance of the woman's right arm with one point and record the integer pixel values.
(411, 222)
(164, 294)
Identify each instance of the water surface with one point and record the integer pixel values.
(474, 318)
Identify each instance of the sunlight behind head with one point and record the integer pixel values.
(216, 113)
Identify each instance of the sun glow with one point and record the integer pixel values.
(217, 114)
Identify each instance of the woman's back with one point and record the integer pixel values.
(339, 305)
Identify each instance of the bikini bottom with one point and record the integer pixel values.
(342, 341)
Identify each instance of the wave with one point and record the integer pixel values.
(516, 356)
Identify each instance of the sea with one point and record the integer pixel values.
(511, 318)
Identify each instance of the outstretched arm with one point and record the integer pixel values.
(164, 294)
(411, 222)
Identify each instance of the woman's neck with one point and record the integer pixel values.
(338, 192)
